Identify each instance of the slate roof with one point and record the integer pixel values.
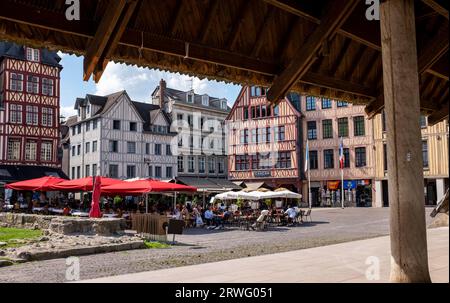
(16, 51)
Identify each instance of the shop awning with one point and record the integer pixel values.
(16, 173)
(210, 185)
(39, 184)
(83, 184)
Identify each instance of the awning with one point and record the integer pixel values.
(83, 184)
(210, 185)
(39, 184)
(256, 185)
(16, 173)
(146, 186)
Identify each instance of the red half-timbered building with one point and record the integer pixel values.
(29, 106)
(264, 141)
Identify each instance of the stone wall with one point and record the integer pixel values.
(65, 225)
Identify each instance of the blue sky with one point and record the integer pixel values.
(138, 82)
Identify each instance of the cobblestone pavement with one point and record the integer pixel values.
(196, 246)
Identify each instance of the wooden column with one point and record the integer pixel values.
(409, 262)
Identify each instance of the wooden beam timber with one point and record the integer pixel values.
(270, 16)
(433, 51)
(340, 56)
(355, 61)
(370, 65)
(335, 16)
(437, 7)
(439, 115)
(237, 24)
(210, 16)
(103, 34)
(176, 16)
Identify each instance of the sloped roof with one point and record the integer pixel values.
(15, 51)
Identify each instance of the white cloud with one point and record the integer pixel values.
(67, 111)
(61, 54)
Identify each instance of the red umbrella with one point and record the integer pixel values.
(84, 184)
(95, 206)
(146, 186)
(39, 184)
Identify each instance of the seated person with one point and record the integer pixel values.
(262, 216)
(209, 216)
(221, 219)
(107, 209)
(45, 211)
(291, 213)
(66, 210)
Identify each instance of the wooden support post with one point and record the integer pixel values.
(409, 262)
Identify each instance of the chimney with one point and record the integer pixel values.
(162, 91)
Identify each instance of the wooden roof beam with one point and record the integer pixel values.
(433, 51)
(106, 37)
(355, 61)
(439, 115)
(206, 26)
(270, 16)
(336, 14)
(176, 17)
(340, 56)
(237, 24)
(437, 7)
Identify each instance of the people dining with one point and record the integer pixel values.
(291, 214)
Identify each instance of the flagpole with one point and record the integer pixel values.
(342, 186)
(309, 187)
(342, 172)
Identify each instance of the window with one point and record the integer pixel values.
(245, 110)
(423, 121)
(73, 173)
(256, 91)
(385, 165)
(131, 171)
(131, 147)
(147, 148)
(180, 162)
(116, 124)
(190, 98)
(47, 117)
(87, 147)
(358, 125)
(133, 126)
(87, 172)
(280, 133)
(221, 164)
(79, 128)
(201, 165)
(47, 87)
(88, 109)
(254, 163)
(310, 103)
(73, 151)
(158, 149)
(78, 172)
(15, 113)
(313, 159)
(73, 130)
(168, 150)
(342, 104)
(88, 126)
(343, 127)
(205, 100)
(244, 136)
(276, 111)
(94, 146)
(327, 129)
(94, 124)
(158, 172)
(242, 162)
(16, 83)
(32, 54)
(268, 130)
(14, 149)
(191, 167)
(94, 169)
(32, 115)
(328, 157)
(425, 153)
(30, 150)
(254, 133)
(224, 104)
(169, 172)
(32, 85)
(212, 165)
(264, 161)
(284, 160)
(360, 156)
(346, 157)
(190, 119)
(326, 103)
(114, 171)
(150, 171)
(79, 149)
(383, 120)
(113, 146)
(312, 130)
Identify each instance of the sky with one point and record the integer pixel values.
(138, 82)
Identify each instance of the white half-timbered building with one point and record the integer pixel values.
(120, 138)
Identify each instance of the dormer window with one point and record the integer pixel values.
(205, 100)
(224, 104)
(32, 54)
(190, 97)
(88, 109)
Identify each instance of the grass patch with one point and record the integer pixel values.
(155, 244)
(9, 235)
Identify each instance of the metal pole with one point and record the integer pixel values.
(342, 187)
(174, 201)
(309, 188)
(146, 203)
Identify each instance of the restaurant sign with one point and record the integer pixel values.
(262, 174)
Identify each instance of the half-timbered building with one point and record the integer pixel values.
(29, 106)
(264, 140)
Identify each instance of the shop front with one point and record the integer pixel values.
(357, 193)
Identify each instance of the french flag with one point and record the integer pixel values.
(341, 154)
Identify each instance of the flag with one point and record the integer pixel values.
(341, 154)
(306, 155)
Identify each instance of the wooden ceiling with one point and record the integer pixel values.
(320, 47)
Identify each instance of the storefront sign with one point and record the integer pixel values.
(333, 185)
(349, 184)
(262, 174)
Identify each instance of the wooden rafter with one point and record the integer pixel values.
(176, 16)
(270, 16)
(335, 16)
(437, 7)
(355, 62)
(438, 116)
(370, 65)
(340, 56)
(237, 24)
(433, 51)
(206, 26)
